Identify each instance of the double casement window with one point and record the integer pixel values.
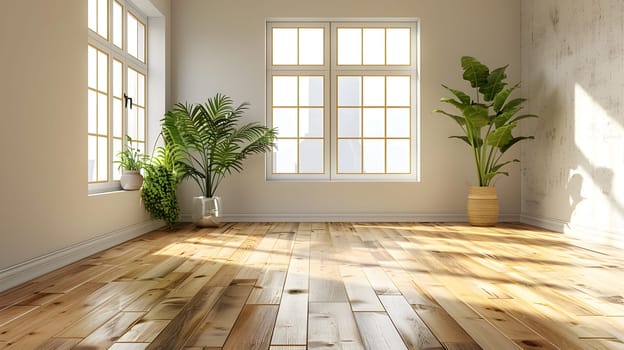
(343, 97)
(116, 87)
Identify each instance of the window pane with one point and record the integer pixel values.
(141, 147)
(140, 41)
(102, 18)
(398, 91)
(349, 122)
(117, 118)
(349, 46)
(311, 155)
(92, 15)
(284, 46)
(398, 46)
(310, 122)
(132, 85)
(102, 159)
(398, 122)
(102, 108)
(92, 67)
(140, 124)
(92, 111)
(374, 154)
(349, 156)
(102, 68)
(374, 45)
(311, 46)
(349, 91)
(374, 91)
(116, 149)
(285, 156)
(131, 40)
(132, 123)
(92, 157)
(284, 91)
(374, 122)
(285, 120)
(398, 153)
(117, 79)
(310, 91)
(140, 90)
(117, 24)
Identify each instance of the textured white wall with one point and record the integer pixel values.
(219, 46)
(573, 70)
(44, 205)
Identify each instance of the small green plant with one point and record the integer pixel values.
(131, 158)
(488, 120)
(163, 173)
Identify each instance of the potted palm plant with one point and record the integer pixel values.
(214, 146)
(131, 161)
(487, 119)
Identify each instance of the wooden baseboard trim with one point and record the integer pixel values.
(27, 270)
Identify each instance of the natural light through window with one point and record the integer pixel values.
(116, 88)
(343, 97)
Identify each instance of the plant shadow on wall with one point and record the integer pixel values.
(577, 137)
(212, 145)
(487, 120)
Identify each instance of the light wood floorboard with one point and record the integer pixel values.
(295, 286)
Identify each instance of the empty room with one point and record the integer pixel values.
(292, 174)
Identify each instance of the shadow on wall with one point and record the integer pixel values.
(578, 138)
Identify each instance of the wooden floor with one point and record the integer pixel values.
(292, 286)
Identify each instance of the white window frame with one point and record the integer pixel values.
(331, 70)
(128, 61)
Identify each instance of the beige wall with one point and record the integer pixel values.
(573, 69)
(219, 46)
(44, 205)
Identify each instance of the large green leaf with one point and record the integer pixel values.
(462, 96)
(477, 140)
(474, 71)
(513, 105)
(501, 136)
(513, 141)
(502, 96)
(503, 118)
(476, 115)
(495, 84)
(454, 102)
(524, 116)
(458, 119)
(497, 167)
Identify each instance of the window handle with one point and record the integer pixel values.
(126, 99)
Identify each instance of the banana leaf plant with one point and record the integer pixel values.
(487, 118)
(213, 143)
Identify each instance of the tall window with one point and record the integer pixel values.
(116, 89)
(343, 97)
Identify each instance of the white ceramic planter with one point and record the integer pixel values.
(131, 180)
(207, 211)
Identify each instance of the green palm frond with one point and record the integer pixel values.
(211, 140)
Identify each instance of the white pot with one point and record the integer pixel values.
(131, 180)
(207, 211)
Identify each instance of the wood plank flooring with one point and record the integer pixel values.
(284, 286)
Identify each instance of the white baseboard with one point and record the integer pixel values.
(352, 217)
(585, 235)
(27, 270)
